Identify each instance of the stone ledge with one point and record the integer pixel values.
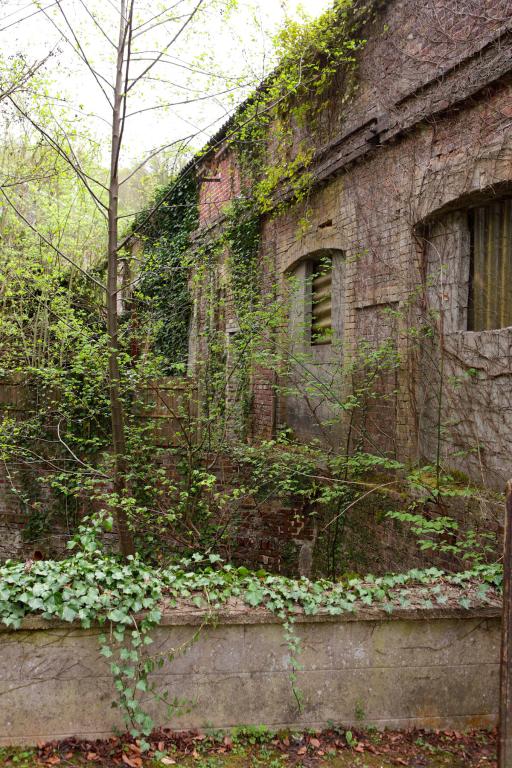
(233, 615)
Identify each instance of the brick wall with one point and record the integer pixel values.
(428, 127)
(219, 183)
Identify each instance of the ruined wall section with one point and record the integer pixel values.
(469, 372)
(413, 43)
(375, 212)
(400, 150)
(219, 182)
(443, 661)
(28, 526)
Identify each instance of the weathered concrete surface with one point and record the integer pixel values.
(418, 668)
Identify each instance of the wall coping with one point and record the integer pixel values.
(242, 615)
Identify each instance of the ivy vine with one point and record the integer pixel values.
(125, 597)
(164, 286)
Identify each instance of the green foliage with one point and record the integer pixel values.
(92, 587)
(443, 533)
(242, 238)
(55, 435)
(269, 131)
(53, 331)
(251, 734)
(163, 291)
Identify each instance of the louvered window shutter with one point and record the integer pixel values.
(490, 288)
(321, 301)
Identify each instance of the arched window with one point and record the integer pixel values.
(317, 298)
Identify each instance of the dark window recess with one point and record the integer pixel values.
(490, 278)
(321, 301)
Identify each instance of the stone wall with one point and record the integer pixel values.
(385, 293)
(422, 668)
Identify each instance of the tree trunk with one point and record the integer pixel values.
(126, 542)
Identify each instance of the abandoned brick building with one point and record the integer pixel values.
(410, 208)
(402, 247)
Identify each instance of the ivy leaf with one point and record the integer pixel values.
(68, 614)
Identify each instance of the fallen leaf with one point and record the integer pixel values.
(53, 760)
(68, 756)
(359, 748)
(133, 762)
(314, 743)
(161, 746)
(302, 751)
(168, 761)
(92, 756)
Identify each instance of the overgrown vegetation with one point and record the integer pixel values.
(273, 130)
(127, 596)
(60, 451)
(163, 291)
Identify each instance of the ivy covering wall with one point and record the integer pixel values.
(166, 237)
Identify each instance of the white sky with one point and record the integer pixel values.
(236, 52)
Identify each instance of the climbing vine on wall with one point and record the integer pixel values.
(165, 270)
(273, 129)
(265, 136)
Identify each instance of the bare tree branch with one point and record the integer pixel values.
(184, 101)
(97, 24)
(157, 16)
(170, 43)
(80, 52)
(149, 157)
(19, 21)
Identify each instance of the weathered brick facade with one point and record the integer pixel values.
(428, 132)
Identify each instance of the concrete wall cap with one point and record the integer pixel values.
(192, 616)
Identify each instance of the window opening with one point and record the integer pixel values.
(490, 278)
(321, 300)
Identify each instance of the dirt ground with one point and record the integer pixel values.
(257, 747)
